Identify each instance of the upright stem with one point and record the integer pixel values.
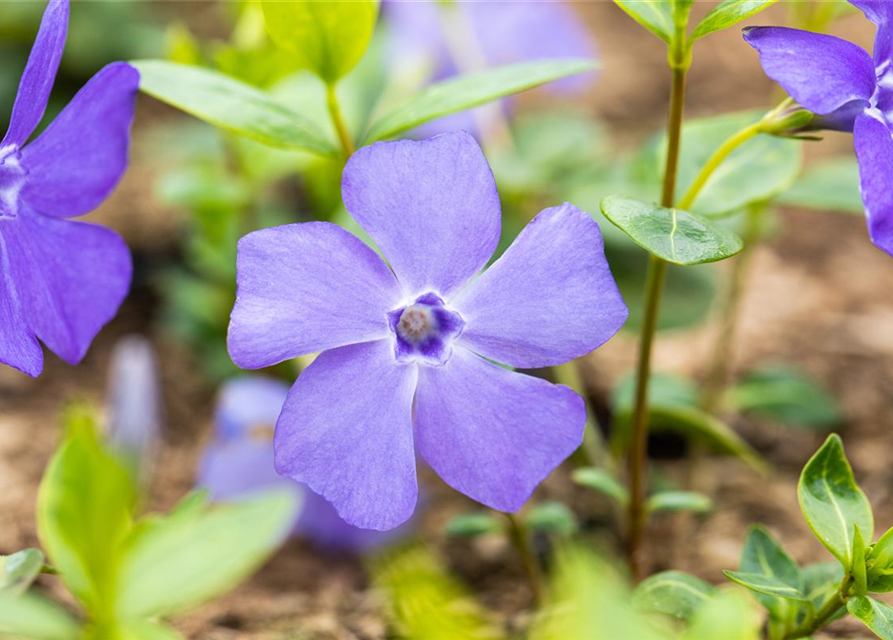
(834, 604)
(347, 145)
(654, 284)
(521, 540)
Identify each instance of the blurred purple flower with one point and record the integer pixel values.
(61, 281)
(239, 461)
(401, 366)
(849, 91)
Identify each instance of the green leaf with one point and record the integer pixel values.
(860, 577)
(880, 564)
(673, 593)
(472, 525)
(145, 630)
(727, 14)
(552, 517)
(329, 38)
(174, 563)
(18, 571)
(764, 556)
(875, 615)
(231, 105)
(766, 585)
(728, 615)
(832, 185)
(84, 510)
(603, 482)
(832, 502)
(470, 90)
(654, 15)
(679, 501)
(674, 235)
(31, 617)
(820, 580)
(786, 395)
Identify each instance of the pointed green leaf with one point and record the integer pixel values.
(603, 482)
(18, 571)
(832, 502)
(674, 235)
(880, 564)
(32, 617)
(679, 501)
(472, 525)
(832, 185)
(766, 585)
(764, 556)
(552, 517)
(231, 105)
(729, 13)
(171, 564)
(860, 577)
(875, 615)
(329, 38)
(654, 15)
(820, 580)
(673, 593)
(471, 90)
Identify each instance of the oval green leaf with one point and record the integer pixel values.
(31, 617)
(552, 517)
(832, 502)
(472, 525)
(231, 105)
(329, 38)
(18, 571)
(832, 185)
(763, 555)
(674, 235)
(875, 615)
(729, 13)
(766, 585)
(603, 482)
(654, 15)
(673, 593)
(471, 90)
(678, 501)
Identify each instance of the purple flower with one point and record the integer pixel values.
(61, 281)
(239, 461)
(404, 363)
(850, 91)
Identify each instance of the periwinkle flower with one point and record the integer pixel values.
(850, 91)
(61, 281)
(406, 350)
(239, 462)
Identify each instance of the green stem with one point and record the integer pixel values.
(347, 145)
(654, 284)
(594, 448)
(834, 604)
(521, 541)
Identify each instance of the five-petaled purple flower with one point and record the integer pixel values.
(406, 351)
(849, 91)
(61, 281)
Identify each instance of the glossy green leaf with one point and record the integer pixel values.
(859, 573)
(29, 616)
(674, 235)
(786, 395)
(728, 616)
(84, 510)
(18, 571)
(832, 185)
(654, 15)
(673, 593)
(880, 564)
(231, 105)
(764, 556)
(875, 615)
(678, 501)
(766, 585)
(729, 13)
(552, 517)
(171, 564)
(472, 525)
(603, 482)
(471, 90)
(329, 37)
(832, 502)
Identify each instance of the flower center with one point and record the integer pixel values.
(424, 331)
(12, 179)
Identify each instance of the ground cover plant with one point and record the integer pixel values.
(424, 268)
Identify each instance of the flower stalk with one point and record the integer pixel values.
(344, 137)
(520, 538)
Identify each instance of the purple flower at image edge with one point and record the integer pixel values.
(849, 90)
(61, 281)
(406, 350)
(239, 461)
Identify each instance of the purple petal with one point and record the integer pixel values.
(40, 72)
(431, 206)
(234, 470)
(494, 434)
(248, 405)
(822, 73)
(880, 12)
(71, 278)
(874, 149)
(307, 287)
(549, 298)
(346, 431)
(321, 524)
(77, 162)
(18, 346)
